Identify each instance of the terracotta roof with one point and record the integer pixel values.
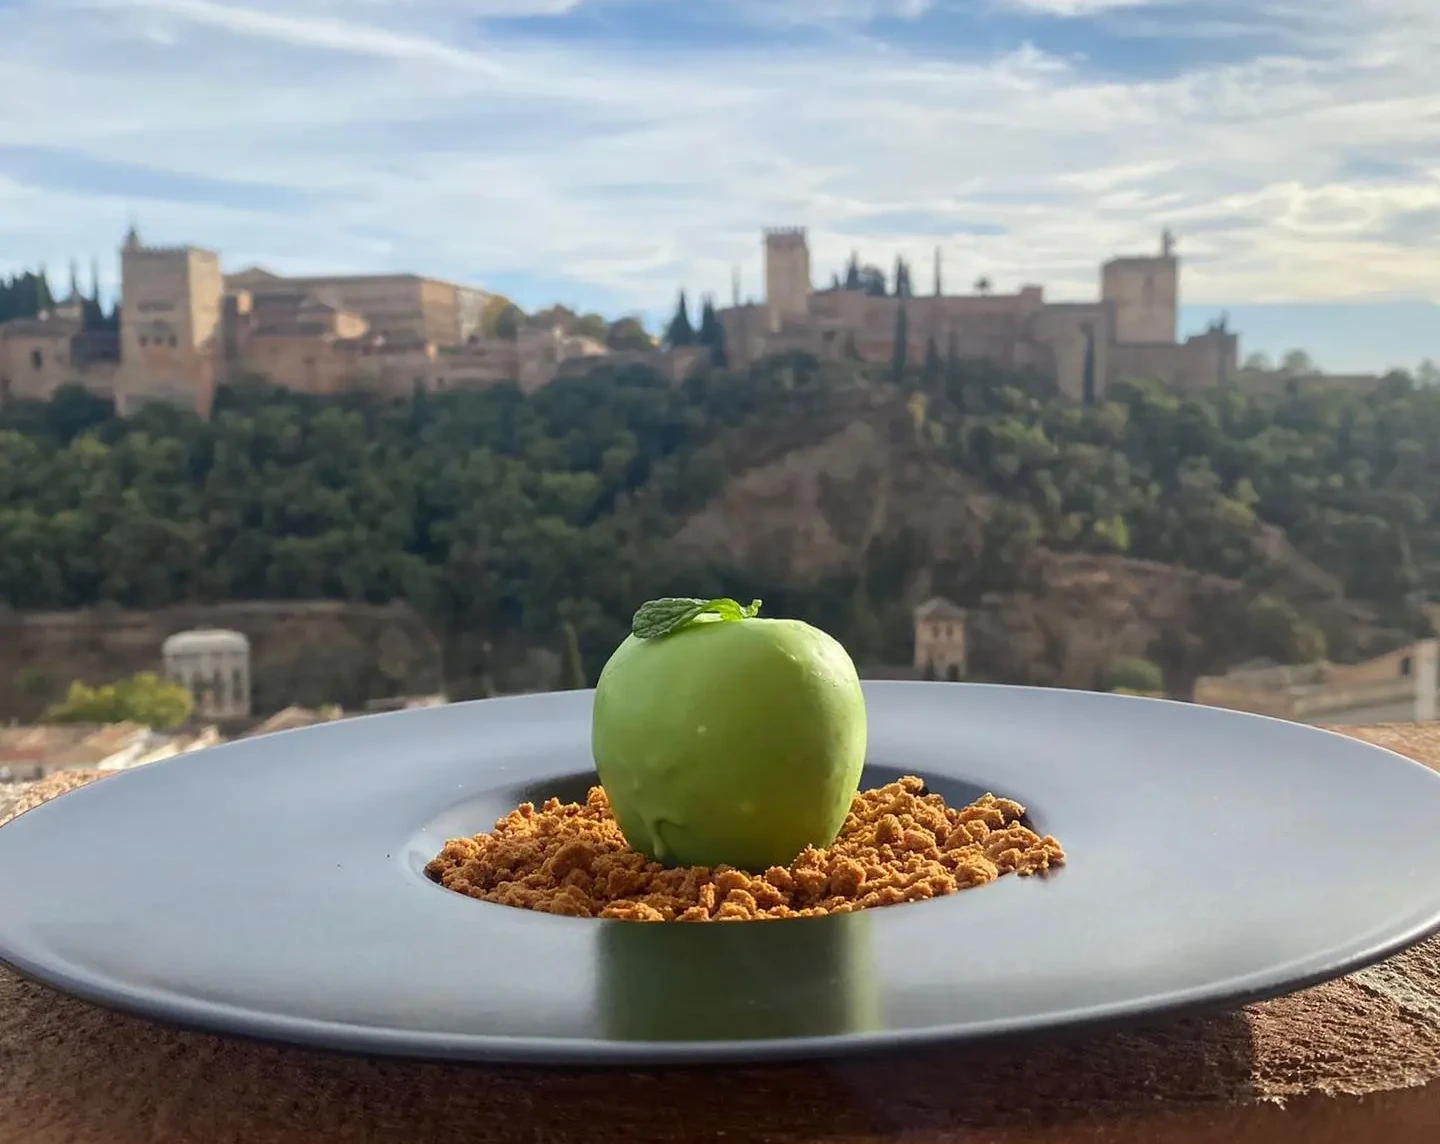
(939, 608)
(251, 274)
(103, 746)
(71, 745)
(293, 717)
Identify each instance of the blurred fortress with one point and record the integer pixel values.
(186, 326)
(1128, 332)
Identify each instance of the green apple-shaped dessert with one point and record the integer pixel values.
(724, 738)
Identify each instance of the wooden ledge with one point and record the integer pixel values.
(1355, 1059)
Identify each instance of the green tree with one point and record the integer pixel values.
(592, 326)
(680, 332)
(628, 334)
(1297, 363)
(1135, 675)
(508, 322)
(934, 372)
(903, 287)
(142, 698)
(852, 272)
(1278, 631)
(712, 334)
(1088, 380)
(900, 353)
(24, 295)
(872, 282)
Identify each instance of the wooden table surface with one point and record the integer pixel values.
(1354, 1060)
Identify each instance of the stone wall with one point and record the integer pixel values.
(1199, 362)
(1302, 705)
(308, 653)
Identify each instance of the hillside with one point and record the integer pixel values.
(1201, 530)
(824, 511)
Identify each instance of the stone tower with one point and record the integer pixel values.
(940, 639)
(787, 275)
(171, 313)
(1145, 294)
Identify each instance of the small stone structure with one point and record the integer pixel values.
(214, 665)
(940, 639)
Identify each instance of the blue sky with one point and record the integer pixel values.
(604, 153)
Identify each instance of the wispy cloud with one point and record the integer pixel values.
(609, 151)
(1078, 7)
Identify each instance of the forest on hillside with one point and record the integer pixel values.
(506, 518)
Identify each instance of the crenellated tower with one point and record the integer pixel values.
(787, 275)
(1145, 294)
(171, 307)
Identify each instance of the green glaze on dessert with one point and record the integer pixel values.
(722, 737)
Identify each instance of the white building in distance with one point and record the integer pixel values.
(214, 666)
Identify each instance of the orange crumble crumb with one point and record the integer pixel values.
(898, 844)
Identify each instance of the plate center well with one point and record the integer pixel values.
(477, 812)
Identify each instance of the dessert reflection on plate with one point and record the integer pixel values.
(805, 977)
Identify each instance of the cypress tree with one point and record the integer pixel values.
(901, 353)
(852, 273)
(1088, 382)
(903, 289)
(719, 356)
(44, 299)
(712, 334)
(680, 332)
(934, 368)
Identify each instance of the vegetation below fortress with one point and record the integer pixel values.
(505, 518)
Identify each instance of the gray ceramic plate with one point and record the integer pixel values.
(274, 887)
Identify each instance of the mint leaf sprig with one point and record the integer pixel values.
(661, 617)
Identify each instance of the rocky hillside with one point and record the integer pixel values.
(821, 512)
